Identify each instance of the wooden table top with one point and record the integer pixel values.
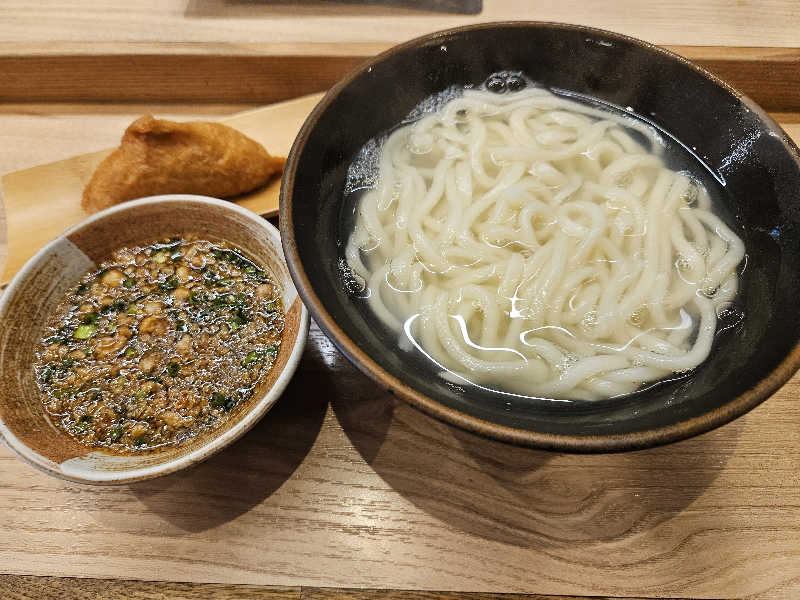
(340, 492)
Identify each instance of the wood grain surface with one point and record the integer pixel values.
(261, 74)
(19, 587)
(234, 22)
(369, 594)
(27, 587)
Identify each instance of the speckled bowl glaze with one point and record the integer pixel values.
(741, 145)
(37, 289)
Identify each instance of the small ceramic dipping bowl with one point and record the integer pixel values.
(743, 150)
(37, 289)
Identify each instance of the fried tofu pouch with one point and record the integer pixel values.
(165, 157)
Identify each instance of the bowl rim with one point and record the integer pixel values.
(214, 444)
(638, 440)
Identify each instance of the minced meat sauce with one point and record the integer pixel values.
(161, 343)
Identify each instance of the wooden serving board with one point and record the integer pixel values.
(43, 201)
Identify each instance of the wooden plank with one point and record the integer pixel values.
(792, 129)
(768, 75)
(260, 77)
(676, 22)
(17, 587)
(786, 119)
(28, 587)
(177, 78)
(353, 594)
(217, 47)
(71, 129)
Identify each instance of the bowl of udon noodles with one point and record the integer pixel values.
(550, 235)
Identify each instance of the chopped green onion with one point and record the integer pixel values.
(258, 356)
(253, 272)
(67, 363)
(84, 332)
(218, 400)
(116, 433)
(246, 266)
(224, 282)
(140, 440)
(141, 393)
(173, 369)
(82, 424)
(181, 326)
(239, 318)
(170, 283)
(82, 289)
(161, 256)
(176, 255)
(210, 277)
(197, 296)
(223, 301)
(129, 282)
(251, 358)
(90, 318)
(116, 306)
(47, 375)
(130, 353)
(272, 306)
(133, 309)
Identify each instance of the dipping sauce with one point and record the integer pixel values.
(161, 343)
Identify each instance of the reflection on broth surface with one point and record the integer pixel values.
(532, 244)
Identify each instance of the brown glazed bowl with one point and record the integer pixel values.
(743, 148)
(36, 290)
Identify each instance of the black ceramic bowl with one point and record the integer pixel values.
(740, 143)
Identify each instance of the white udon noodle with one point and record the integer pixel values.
(529, 243)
